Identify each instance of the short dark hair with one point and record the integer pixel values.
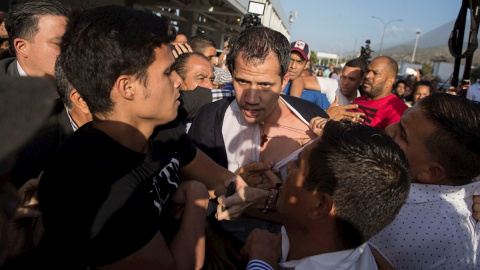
(22, 19)
(399, 82)
(64, 87)
(255, 43)
(102, 43)
(357, 63)
(199, 43)
(365, 172)
(180, 66)
(455, 143)
(422, 83)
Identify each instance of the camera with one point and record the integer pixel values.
(365, 53)
(251, 18)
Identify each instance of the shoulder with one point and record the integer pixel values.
(5, 65)
(306, 108)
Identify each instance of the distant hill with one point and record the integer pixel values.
(432, 45)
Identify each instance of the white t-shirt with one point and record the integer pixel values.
(331, 88)
(359, 258)
(433, 230)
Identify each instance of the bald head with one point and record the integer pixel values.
(391, 65)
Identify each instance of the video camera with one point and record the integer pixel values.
(366, 52)
(251, 18)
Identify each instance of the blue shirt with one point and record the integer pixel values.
(311, 95)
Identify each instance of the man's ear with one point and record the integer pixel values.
(21, 47)
(322, 207)
(433, 175)
(79, 101)
(125, 86)
(285, 81)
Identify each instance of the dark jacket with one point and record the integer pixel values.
(206, 130)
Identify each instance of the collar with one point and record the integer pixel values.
(421, 193)
(21, 71)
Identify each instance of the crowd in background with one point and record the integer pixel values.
(128, 144)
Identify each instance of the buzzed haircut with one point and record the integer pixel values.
(254, 44)
(357, 63)
(180, 66)
(200, 43)
(455, 143)
(22, 19)
(366, 174)
(101, 44)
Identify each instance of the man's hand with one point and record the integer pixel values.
(341, 112)
(259, 175)
(244, 198)
(263, 245)
(181, 49)
(25, 230)
(317, 124)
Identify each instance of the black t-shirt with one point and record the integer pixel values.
(102, 201)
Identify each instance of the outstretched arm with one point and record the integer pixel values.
(300, 83)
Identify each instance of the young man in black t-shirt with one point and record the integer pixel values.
(107, 198)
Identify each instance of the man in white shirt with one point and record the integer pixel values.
(341, 191)
(35, 30)
(440, 136)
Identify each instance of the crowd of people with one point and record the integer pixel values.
(120, 138)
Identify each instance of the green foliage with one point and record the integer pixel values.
(313, 58)
(427, 69)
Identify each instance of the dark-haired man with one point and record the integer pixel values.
(299, 60)
(380, 106)
(343, 189)
(35, 29)
(123, 166)
(204, 45)
(260, 124)
(440, 137)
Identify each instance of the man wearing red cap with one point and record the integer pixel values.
(299, 60)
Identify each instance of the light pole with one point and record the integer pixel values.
(383, 31)
(415, 47)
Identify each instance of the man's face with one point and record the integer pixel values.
(200, 73)
(160, 95)
(376, 79)
(3, 31)
(293, 199)
(45, 46)
(400, 90)
(410, 134)
(297, 64)
(350, 81)
(258, 87)
(180, 39)
(331, 67)
(210, 53)
(422, 91)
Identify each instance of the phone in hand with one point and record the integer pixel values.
(230, 191)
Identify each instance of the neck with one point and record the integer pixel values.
(78, 116)
(278, 113)
(386, 92)
(134, 138)
(305, 243)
